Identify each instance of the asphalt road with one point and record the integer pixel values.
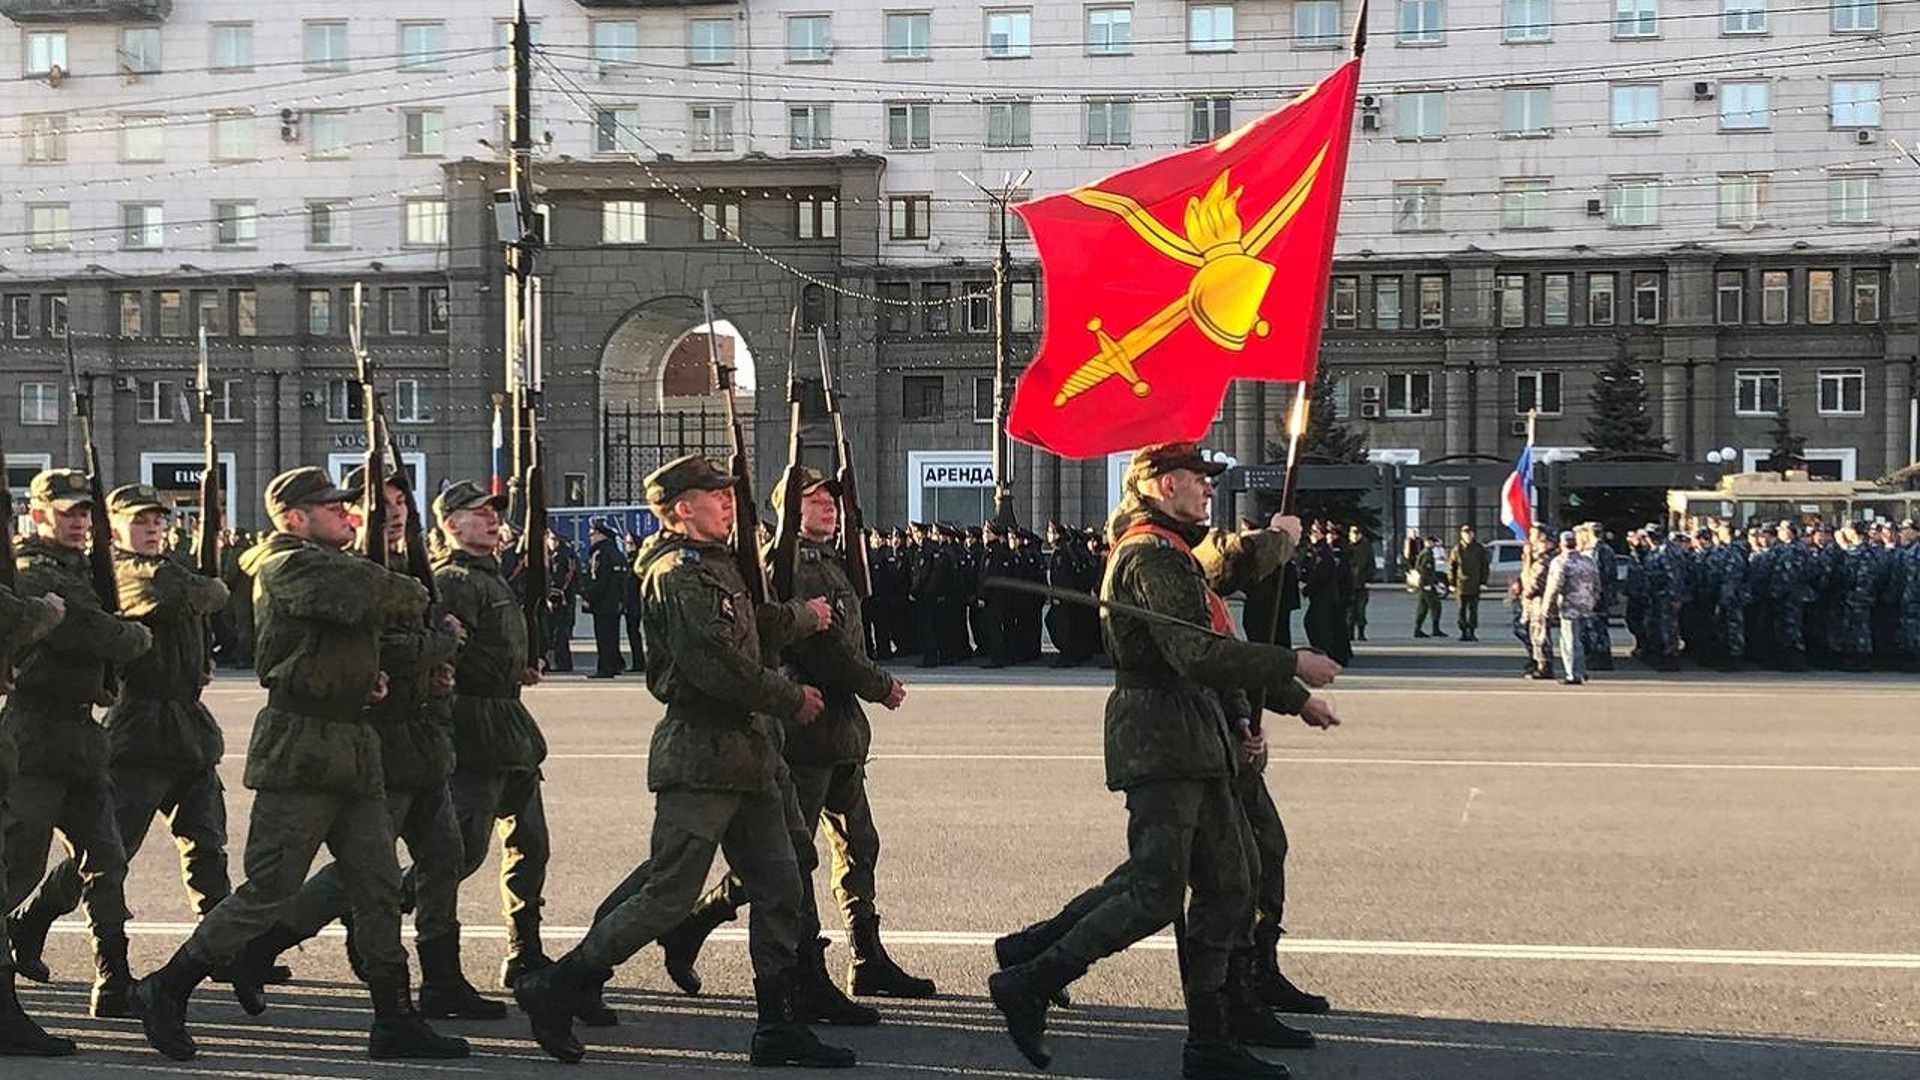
(1649, 876)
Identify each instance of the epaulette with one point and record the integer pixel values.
(43, 562)
(810, 555)
(689, 556)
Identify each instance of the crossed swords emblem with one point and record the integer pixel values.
(1229, 282)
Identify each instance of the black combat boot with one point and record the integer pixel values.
(1248, 1018)
(1211, 1052)
(112, 981)
(1277, 991)
(19, 1035)
(399, 1031)
(593, 1011)
(27, 933)
(524, 953)
(160, 999)
(682, 943)
(551, 995)
(817, 1000)
(254, 968)
(1021, 993)
(872, 971)
(1023, 945)
(781, 1038)
(445, 993)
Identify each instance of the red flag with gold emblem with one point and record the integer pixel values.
(1168, 280)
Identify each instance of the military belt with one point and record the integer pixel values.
(511, 695)
(300, 704)
(48, 703)
(1147, 680)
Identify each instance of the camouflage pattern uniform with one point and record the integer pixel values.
(1595, 633)
(1909, 629)
(23, 621)
(1850, 621)
(1533, 611)
(1791, 571)
(1663, 584)
(1727, 562)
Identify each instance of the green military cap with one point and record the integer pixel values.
(130, 499)
(62, 489)
(812, 480)
(356, 478)
(688, 473)
(466, 495)
(1163, 458)
(308, 485)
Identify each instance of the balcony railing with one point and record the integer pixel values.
(657, 3)
(86, 11)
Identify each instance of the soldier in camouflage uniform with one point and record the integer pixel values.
(163, 744)
(314, 765)
(1791, 574)
(1595, 632)
(1727, 563)
(63, 783)
(713, 766)
(1908, 580)
(1663, 587)
(1533, 602)
(1171, 747)
(23, 621)
(1850, 621)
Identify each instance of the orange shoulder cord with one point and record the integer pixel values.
(1216, 607)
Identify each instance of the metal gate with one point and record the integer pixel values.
(636, 440)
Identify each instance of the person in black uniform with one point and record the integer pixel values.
(605, 594)
(630, 607)
(933, 580)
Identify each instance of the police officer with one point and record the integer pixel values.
(713, 767)
(63, 781)
(314, 765)
(23, 621)
(605, 595)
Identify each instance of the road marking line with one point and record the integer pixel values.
(1419, 763)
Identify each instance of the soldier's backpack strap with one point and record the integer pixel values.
(1220, 618)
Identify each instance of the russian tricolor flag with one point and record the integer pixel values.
(499, 454)
(1516, 495)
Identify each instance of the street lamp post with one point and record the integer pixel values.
(1003, 514)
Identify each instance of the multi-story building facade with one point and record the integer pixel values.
(1536, 188)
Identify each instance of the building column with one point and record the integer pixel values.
(1898, 418)
(1244, 423)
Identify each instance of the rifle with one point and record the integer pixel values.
(100, 550)
(746, 520)
(853, 541)
(207, 546)
(419, 562)
(786, 541)
(533, 486)
(1289, 492)
(374, 500)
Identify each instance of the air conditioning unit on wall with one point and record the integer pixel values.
(1517, 427)
(1370, 410)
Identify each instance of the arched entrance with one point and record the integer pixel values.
(658, 396)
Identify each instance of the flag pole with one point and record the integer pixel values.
(1533, 417)
(1296, 434)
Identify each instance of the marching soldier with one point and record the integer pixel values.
(314, 765)
(63, 781)
(23, 621)
(1850, 621)
(1791, 578)
(1727, 564)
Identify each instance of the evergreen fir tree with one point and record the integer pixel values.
(1328, 440)
(1619, 425)
(1789, 450)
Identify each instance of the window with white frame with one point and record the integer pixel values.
(327, 134)
(1556, 300)
(133, 314)
(1422, 22)
(1510, 299)
(1433, 301)
(1110, 30)
(909, 217)
(1843, 391)
(143, 226)
(53, 316)
(1523, 202)
(1023, 306)
(45, 136)
(49, 227)
(39, 404)
(1743, 17)
(236, 223)
(816, 217)
(909, 125)
(719, 221)
(1316, 24)
(1856, 16)
(227, 394)
(1109, 122)
(712, 128)
(425, 222)
(1009, 124)
(1016, 225)
(978, 296)
(233, 136)
(173, 313)
(323, 44)
(142, 137)
(1635, 18)
(1730, 298)
(397, 304)
(345, 403)
(1855, 103)
(20, 316)
(411, 403)
(710, 41)
(983, 399)
(46, 50)
(1420, 114)
(425, 131)
(909, 35)
(1601, 303)
(1537, 390)
(246, 312)
(209, 315)
(1208, 118)
(1776, 293)
(1756, 391)
(1343, 302)
(1209, 27)
(1409, 393)
(423, 44)
(139, 50)
(1526, 111)
(809, 39)
(1416, 205)
(327, 223)
(1633, 202)
(614, 43)
(230, 47)
(435, 305)
(810, 127)
(319, 312)
(1745, 199)
(1386, 303)
(1526, 20)
(936, 308)
(616, 130)
(1820, 297)
(623, 221)
(1744, 106)
(154, 399)
(1636, 108)
(1646, 297)
(1866, 296)
(1009, 33)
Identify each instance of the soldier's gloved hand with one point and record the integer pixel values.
(896, 694)
(1314, 669)
(441, 680)
(1286, 523)
(822, 612)
(811, 704)
(455, 627)
(145, 633)
(1318, 712)
(58, 603)
(1252, 743)
(530, 677)
(379, 692)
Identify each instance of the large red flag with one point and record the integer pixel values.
(1168, 280)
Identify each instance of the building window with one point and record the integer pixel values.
(936, 312)
(503, 41)
(1855, 103)
(423, 44)
(909, 125)
(1016, 225)
(1820, 297)
(1536, 390)
(133, 315)
(1556, 300)
(173, 313)
(425, 132)
(920, 397)
(1409, 393)
(817, 217)
(246, 313)
(1023, 306)
(623, 221)
(1756, 391)
(46, 50)
(53, 317)
(327, 134)
(910, 217)
(1635, 18)
(1730, 298)
(1109, 123)
(1636, 109)
(1416, 206)
(809, 39)
(424, 223)
(327, 223)
(814, 313)
(1523, 203)
(1527, 111)
(896, 307)
(1386, 303)
(398, 307)
(1421, 22)
(810, 127)
(1866, 296)
(208, 315)
(324, 45)
(1743, 17)
(1633, 202)
(719, 221)
(710, 41)
(1009, 34)
(233, 136)
(1646, 298)
(1316, 24)
(410, 402)
(1600, 299)
(231, 47)
(1009, 124)
(1743, 106)
(142, 226)
(319, 312)
(1856, 16)
(39, 404)
(909, 35)
(1209, 27)
(1433, 302)
(1510, 299)
(20, 315)
(1420, 114)
(1343, 303)
(616, 131)
(1526, 20)
(1745, 199)
(345, 403)
(1109, 31)
(49, 227)
(1209, 118)
(435, 306)
(226, 401)
(712, 128)
(45, 137)
(1843, 391)
(142, 137)
(155, 401)
(140, 50)
(983, 399)
(614, 43)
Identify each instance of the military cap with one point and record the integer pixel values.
(1163, 458)
(1787, 527)
(1655, 531)
(812, 480)
(356, 478)
(1909, 523)
(1822, 527)
(974, 532)
(466, 495)
(129, 499)
(918, 526)
(601, 525)
(308, 485)
(62, 489)
(690, 472)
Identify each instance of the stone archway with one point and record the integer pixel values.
(657, 393)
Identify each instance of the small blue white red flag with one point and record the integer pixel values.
(1516, 495)
(499, 453)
